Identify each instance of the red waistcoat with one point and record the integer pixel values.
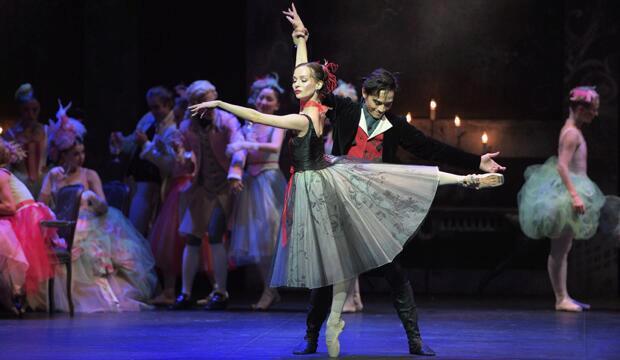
(367, 149)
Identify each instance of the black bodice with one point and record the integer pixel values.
(307, 152)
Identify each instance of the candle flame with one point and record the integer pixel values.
(433, 104)
(1, 130)
(485, 138)
(409, 118)
(457, 121)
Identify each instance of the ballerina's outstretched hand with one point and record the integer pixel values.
(200, 109)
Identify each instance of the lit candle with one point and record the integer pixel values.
(1, 130)
(457, 130)
(485, 141)
(409, 118)
(433, 109)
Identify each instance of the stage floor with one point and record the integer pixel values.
(456, 328)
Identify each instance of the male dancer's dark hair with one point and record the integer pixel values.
(380, 79)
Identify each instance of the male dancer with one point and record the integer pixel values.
(206, 205)
(369, 131)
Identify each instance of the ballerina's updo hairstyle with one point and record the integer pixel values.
(325, 73)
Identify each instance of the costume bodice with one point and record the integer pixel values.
(19, 191)
(307, 152)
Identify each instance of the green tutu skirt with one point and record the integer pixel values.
(545, 206)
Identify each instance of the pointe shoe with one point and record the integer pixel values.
(331, 338)
(270, 296)
(482, 181)
(568, 305)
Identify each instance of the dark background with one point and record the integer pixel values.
(485, 59)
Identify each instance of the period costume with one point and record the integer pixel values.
(258, 207)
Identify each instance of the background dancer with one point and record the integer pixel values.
(559, 201)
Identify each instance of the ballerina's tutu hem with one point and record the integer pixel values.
(349, 217)
(545, 205)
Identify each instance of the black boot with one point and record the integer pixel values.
(408, 314)
(318, 310)
(308, 345)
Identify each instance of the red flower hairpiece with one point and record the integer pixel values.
(331, 82)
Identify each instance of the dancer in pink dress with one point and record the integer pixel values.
(25, 261)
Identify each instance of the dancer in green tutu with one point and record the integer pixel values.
(559, 201)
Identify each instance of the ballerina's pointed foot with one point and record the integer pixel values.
(331, 338)
(482, 181)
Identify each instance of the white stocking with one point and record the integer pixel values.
(191, 262)
(220, 267)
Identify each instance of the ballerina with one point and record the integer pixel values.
(559, 201)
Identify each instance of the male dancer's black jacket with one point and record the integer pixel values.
(345, 116)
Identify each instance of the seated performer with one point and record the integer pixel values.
(113, 268)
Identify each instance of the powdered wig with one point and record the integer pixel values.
(269, 81)
(199, 88)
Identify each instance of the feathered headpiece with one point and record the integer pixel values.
(64, 132)
(346, 90)
(268, 81)
(11, 152)
(585, 94)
